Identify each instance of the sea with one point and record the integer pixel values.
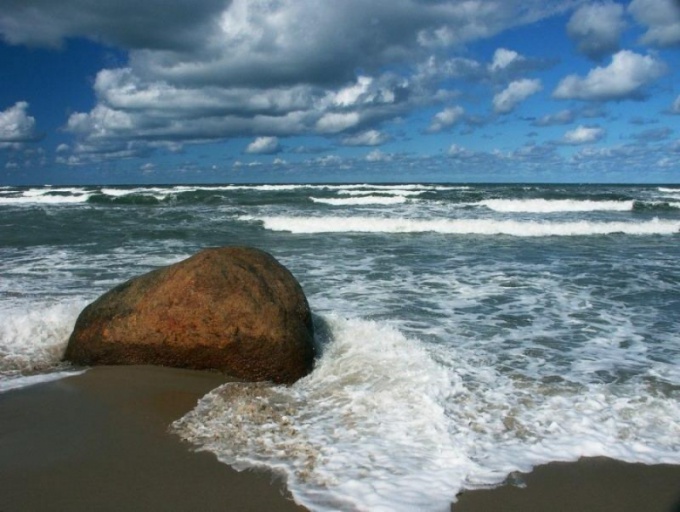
(465, 333)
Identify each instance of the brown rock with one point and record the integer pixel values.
(234, 309)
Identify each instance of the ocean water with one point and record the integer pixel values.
(464, 332)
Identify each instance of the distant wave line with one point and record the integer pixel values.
(363, 224)
(360, 200)
(555, 205)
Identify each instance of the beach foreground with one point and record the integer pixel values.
(99, 441)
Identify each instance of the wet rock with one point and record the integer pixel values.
(233, 309)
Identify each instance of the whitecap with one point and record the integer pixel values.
(360, 201)
(362, 224)
(554, 205)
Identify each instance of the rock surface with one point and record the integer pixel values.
(233, 309)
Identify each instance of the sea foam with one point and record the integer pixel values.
(52, 196)
(362, 224)
(365, 431)
(361, 200)
(33, 338)
(385, 424)
(554, 205)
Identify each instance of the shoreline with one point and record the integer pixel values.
(99, 441)
(596, 484)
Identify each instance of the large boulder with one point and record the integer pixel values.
(233, 309)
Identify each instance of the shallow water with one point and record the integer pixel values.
(466, 332)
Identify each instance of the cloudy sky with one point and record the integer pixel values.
(119, 91)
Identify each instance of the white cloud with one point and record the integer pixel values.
(504, 58)
(624, 78)
(367, 138)
(597, 28)
(662, 17)
(505, 101)
(378, 156)
(457, 151)
(214, 69)
(264, 146)
(101, 122)
(446, 118)
(583, 135)
(334, 122)
(16, 125)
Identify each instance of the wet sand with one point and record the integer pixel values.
(99, 441)
(589, 485)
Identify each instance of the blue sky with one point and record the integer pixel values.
(97, 91)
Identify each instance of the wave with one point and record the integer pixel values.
(393, 192)
(656, 206)
(671, 190)
(131, 199)
(386, 423)
(33, 338)
(358, 224)
(555, 205)
(46, 196)
(366, 426)
(360, 200)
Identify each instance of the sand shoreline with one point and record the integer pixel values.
(99, 441)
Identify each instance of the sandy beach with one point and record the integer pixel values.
(99, 441)
(589, 485)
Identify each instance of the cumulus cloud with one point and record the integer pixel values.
(445, 119)
(624, 78)
(583, 135)
(16, 125)
(367, 138)
(378, 156)
(516, 92)
(596, 28)
(662, 19)
(47, 23)
(505, 65)
(247, 68)
(504, 58)
(264, 146)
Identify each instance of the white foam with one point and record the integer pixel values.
(33, 338)
(392, 192)
(47, 196)
(382, 424)
(365, 431)
(31, 380)
(360, 201)
(359, 224)
(671, 190)
(554, 205)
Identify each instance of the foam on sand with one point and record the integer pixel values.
(385, 424)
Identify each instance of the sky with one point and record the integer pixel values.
(225, 91)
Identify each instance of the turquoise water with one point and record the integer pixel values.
(466, 332)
